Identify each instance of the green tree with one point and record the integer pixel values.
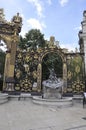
(52, 60)
(22, 43)
(33, 39)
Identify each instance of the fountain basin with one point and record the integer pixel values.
(63, 102)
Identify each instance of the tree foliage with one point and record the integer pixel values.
(52, 60)
(33, 39)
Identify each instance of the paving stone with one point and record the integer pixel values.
(25, 115)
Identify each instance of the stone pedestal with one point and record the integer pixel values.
(52, 93)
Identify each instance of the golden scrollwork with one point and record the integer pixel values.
(35, 74)
(26, 85)
(78, 86)
(39, 50)
(27, 58)
(17, 87)
(35, 56)
(69, 75)
(77, 69)
(19, 55)
(27, 68)
(18, 73)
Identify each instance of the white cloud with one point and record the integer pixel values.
(24, 28)
(49, 2)
(38, 5)
(35, 24)
(23, 32)
(78, 28)
(22, 15)
(63, 2)
(70, 47)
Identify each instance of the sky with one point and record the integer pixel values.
(58, 18)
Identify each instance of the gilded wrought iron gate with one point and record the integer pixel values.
(28, 68)
(25, 70)
(75, 73)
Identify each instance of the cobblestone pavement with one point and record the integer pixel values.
(24, 115)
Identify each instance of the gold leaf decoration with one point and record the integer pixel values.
(69, 75)
(77, 69)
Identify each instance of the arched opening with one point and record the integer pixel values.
(52, 66)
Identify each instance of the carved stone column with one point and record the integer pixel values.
(82, 38)
(13, 54)
(10, 64)
(65, 76)
(9, 33)
(6, 68)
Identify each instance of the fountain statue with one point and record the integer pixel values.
(52, 92)
(52, 88)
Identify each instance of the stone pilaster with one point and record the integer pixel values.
(65, 76)
(39, 77)
(83, 36)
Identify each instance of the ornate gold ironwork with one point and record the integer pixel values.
(30, 63)
(78, 86)
(69, 75)
(25, 85)
(75, 76)
(27, 68)
(77, 69)
(34, 74)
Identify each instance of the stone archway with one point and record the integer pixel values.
(53, 49)
(9, 33)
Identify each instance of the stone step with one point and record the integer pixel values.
(21, 96)
(64, 102)
(4, 97)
